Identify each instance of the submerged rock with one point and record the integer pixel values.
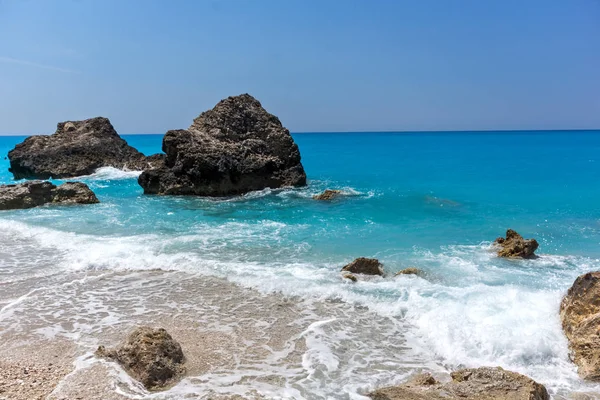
(149, 355)
(366, 266)
(328, 195)
(411, 271)
(235, 148)
(467, 384)
(350, 276)
(580, 317)
(76, 148)
(514, 246)
(36, 193)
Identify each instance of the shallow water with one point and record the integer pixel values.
(431, 200)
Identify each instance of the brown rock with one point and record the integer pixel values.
(36, 193)
(367, 266)
(580, 316)
(328, 195)
(467, 384)
(150, 356)
(411, 271)
(514, 246)
(349, 276)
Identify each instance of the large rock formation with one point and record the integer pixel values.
(36, 193)
(514, 246)
(149, 355)
(77, 148)
(580, 316)
(467, 384)
(366, 266)
(236, 147)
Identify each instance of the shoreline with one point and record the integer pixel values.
(237, 342)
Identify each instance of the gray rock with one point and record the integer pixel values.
(76, 148)
(235, 148)
(36, 193)
(149, 355)
(468, 384)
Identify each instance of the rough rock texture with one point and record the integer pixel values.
(236, 147)
(515, 246)
(367, 266)
(328, 195)
(76, 148)
(36, 193)
(580, 316)
(411, 271)
(467, 384)
(150, 356)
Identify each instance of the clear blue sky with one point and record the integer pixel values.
(326, 65)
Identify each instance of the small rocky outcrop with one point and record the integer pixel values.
(76, 148)
(580, 317)
(366, 266)
(467, 384)
(235, 148)
(149, 355)
(36, 193)
(514, 246)
(328, 194)
(411, 271)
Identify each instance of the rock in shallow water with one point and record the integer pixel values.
(235, 148)
(149, 355)
(76, 148)
(36, 193)
(328, 195)
(514, 246)
(467, 384)
(366, 266)
(411, 271)
(580, 317)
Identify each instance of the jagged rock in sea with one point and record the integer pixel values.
(411, 271)
(514, 246)
(76, 148)
(235, 148)
(36, 193)
(149, 355)
(467, 384)
(580, 317)
(328, 194)
(366, 266)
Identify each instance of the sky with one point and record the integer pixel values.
(319, 65)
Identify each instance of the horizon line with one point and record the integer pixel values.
(387, 131)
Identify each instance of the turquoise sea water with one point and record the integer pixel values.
(430, 200)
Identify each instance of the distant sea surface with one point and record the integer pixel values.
(431, 200)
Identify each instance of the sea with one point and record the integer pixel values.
(431, 200)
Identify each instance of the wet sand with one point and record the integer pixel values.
(237, 341)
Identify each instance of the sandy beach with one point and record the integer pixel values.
(236, 341)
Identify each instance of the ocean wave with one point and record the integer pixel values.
(477, 309)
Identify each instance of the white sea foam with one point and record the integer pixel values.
(109, 174)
